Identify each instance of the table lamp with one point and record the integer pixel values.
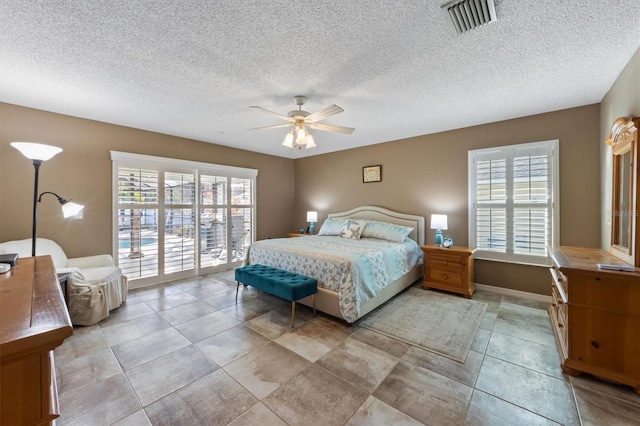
(439, 222)
(312, 218)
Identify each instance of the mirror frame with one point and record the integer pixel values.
(623, 138)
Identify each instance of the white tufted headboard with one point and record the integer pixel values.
(385, 215)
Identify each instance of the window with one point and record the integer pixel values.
(176, 218)
(513, 202)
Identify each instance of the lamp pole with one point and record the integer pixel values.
(36, 165)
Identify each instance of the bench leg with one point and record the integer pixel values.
(293, 313)
(237, 287)
(313, 299)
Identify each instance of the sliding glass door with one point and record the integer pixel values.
(201, 221)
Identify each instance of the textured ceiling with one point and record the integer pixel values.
(192, 68)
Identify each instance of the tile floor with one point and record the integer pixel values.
(183, 353)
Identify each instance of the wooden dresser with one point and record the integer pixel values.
(449, 269)
(596, 315)
(33, 321)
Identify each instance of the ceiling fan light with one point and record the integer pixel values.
(301, 136)
(310, 142)
(288, 140)
(301, 122)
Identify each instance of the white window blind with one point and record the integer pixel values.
(137, 212)
(180, 224)
(513, 202)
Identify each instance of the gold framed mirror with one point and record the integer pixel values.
(623, 140)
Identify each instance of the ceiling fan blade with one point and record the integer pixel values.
(284, 117)
(272, 127)
(331, 128)
(323, 113)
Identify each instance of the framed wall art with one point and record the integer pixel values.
(372, 174)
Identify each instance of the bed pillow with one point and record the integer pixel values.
(332, 227)
(353, 229)
(386, 231)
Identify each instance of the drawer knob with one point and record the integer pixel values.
(445, 276)
(446, 263)
(595, 344)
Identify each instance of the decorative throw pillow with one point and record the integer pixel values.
(386, 231)
(332, 227)
(353, 229)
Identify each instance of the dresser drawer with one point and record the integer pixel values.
(559, 295)
(440, 262)
(446, 277)
(563, 335)
(560, 281)
(559, 305)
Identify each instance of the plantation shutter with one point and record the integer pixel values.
(532, 202)
(138, 213)
(180, 222)
(511, 202)
(491, 202)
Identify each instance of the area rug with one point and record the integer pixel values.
(441, 323)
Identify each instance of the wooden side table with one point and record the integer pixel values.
(449, 269)
(297, 234)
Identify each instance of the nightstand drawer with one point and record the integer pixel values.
(446, 277)
(440, 261)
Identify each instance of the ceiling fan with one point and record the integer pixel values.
(300, 136)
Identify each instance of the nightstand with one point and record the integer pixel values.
(449, 269)
(297, 234)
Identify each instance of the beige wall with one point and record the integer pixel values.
(82, 172)
(421, 175)
(428, 174)
(623, 100)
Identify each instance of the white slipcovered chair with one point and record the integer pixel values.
(94, 287)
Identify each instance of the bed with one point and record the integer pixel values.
(379, 268)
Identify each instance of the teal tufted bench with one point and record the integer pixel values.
(284, 284)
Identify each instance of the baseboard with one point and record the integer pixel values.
(515, 293)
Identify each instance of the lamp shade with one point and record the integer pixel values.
(288, 140)
(36, 151)
(70, 209)
(301, 136)
(438, 221)
(312, 217)
(310, 142)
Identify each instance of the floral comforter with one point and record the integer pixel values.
(355, 269)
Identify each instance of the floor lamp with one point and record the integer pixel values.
(38, 153)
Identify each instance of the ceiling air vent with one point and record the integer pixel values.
(467, 15)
